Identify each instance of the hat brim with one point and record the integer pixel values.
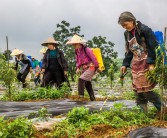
(71, 43)
(45, 44)
(15, 54)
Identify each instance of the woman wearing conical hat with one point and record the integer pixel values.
(86, 64)
(54, 64)
(25, 64)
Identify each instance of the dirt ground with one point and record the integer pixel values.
(106, 131)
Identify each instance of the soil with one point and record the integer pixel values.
(106, 131)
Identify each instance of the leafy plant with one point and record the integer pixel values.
(155, 75)
(77, 114)
(39, 93)
(7, 75)
(111, 74)
(41, 115)
(18, 128)
(79, 119)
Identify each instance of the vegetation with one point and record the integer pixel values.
(18, 128)
(159, 73)
(39, 93)
(80, 120)
(7, 75)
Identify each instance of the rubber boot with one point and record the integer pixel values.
(24, 85)
(157, 104)
(90, 91)
(143, 107)
(81, 85)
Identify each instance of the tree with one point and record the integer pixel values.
(107, 50)
(7, 75)
(62, 34)
(7, 55)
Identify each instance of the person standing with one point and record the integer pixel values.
(86, 65)
(54, 64)
(36, 70)
(140, 44)
(22, 60)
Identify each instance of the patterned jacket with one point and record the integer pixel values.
(142, 33)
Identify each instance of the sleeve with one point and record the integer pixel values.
(77, 63)
(26, 60)
(37, 63)
(91, 56)
(44, 61)
(16, 64)
(127, 59)
(64, 62)
(151, 43)
(128, 55)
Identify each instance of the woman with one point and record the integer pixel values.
(86, 62)
(140, 54)
(54, 64)
(25, 64)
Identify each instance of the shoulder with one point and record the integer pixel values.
(85, 47)
(143, 28)
(126, 33)
(59, 51)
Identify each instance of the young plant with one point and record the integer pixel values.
(7, 75)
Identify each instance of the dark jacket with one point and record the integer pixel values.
(60, 57)
(142, 33)
(24, 60)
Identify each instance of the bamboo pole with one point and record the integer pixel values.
(8, 56)
(7, 51)
(162, 117)
(165, 37)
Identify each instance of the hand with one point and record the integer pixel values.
(43, 70)
(98, 70)
(78, 71)
(30, 70)
(123, 69)
(151, 67)
(65, 73)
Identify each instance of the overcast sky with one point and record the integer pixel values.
(27, 23)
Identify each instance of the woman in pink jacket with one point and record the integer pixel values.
(86, 64)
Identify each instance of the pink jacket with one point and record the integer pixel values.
(84, 56)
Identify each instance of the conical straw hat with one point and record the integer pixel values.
(43, 50)
(49, 40)
(16, 52)
(75, 40)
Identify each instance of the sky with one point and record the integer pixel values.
(28, 23)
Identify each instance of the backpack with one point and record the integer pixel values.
(98, 55)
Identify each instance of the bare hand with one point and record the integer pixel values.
(65, 73)
(123, 69)
(30, 70)
(151, 67)
(43, 70)
(98, 70)
(78, 71)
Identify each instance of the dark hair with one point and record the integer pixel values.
(126, 16)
